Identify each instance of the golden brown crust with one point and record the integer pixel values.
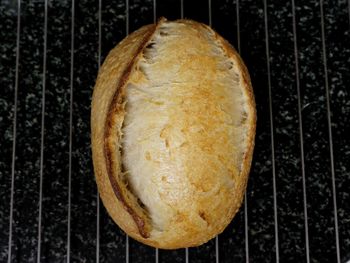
(247, 159)
(106, 120)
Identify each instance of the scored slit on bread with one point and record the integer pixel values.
(178, 133)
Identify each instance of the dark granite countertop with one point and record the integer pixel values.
(298, 55)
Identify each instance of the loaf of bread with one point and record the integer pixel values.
(173, 126)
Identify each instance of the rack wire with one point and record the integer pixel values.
(300, 120)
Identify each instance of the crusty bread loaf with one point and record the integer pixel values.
(173, 125)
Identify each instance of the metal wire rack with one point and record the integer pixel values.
(297, 205)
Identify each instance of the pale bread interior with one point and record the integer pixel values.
(185, 130)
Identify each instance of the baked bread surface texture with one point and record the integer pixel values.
(173, 126)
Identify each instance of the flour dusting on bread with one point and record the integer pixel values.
(183, 136)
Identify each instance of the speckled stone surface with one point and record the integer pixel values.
(281, 58)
